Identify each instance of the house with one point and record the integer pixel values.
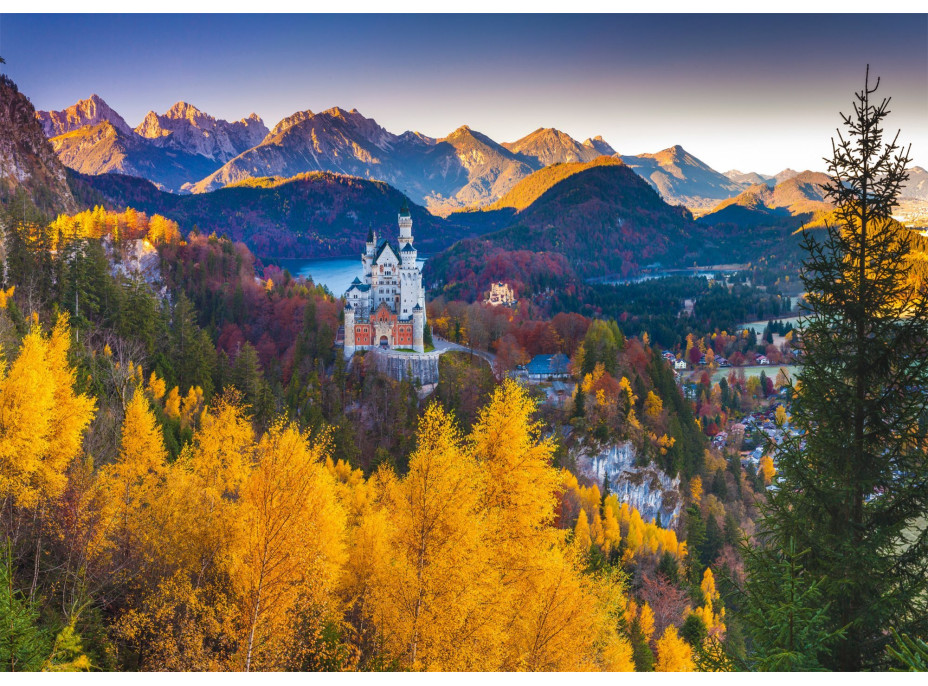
(545, 367)
(679, 364)
(762, 359)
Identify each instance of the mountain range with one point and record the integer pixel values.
(544, 205)
(187, 150)
(800, 197)
(169, 149)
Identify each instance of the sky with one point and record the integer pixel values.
(750, 92)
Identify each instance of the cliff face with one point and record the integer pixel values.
(27, 160)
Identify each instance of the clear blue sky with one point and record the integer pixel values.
(753, 92)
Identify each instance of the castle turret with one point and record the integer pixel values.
(349, 330)
(405, 222)
(371, 243)
(418, 329)
(408, 255)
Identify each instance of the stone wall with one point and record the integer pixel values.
(399, 365)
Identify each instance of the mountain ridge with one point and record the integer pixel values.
(465, 169)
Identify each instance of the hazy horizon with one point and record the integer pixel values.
(751, 92)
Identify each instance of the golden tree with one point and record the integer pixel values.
(292, 544)
(42, 419)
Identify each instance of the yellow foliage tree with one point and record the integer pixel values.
(156, 386)
(582, 538)
(767, 470)
(696, 489)
(172, 404)
(42, 419)
(5, 295)
(780, 415)
(653, 405)
(521, 483)
(646, 621)
(673, 653)
(131, 483)
(292, 543)
(433, 608)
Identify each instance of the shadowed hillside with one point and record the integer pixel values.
(318, 214)
(603, 220)
(529, 189)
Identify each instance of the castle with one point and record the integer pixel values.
(385, 308)
(501, 294)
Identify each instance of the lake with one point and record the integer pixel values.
(335, 273)
(710, 273)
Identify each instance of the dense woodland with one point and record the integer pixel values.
(181, 413)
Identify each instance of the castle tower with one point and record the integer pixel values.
(349, 330)
(370, 245)
(418, 329)
(405, 222)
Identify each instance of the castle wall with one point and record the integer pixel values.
(400, 366)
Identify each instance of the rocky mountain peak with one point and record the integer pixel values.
(151, 127)
(89, 112)
(292, 120)
(184, 110)
(186, 127)
(599, 144)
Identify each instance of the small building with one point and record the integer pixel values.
(501, 294)
(545, 367)
(679, 364)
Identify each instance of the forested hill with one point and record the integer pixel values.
(603, 220)
(318, 214)
(529, 189)
(801, 197)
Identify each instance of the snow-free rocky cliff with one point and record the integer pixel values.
(648, 489)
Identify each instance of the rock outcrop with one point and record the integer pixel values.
(27, 160)
(648, 489)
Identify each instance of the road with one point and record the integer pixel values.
(442, 346)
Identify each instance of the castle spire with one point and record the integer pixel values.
(405, 222)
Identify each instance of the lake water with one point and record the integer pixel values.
(335, 273)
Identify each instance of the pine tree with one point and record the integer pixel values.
(852, 486)
(787, 603)
(23, 644)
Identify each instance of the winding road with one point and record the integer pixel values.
(442, 346)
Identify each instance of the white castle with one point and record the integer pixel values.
(385, 308)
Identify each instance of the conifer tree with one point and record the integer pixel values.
(853, 484)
